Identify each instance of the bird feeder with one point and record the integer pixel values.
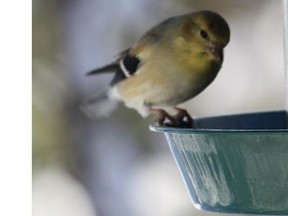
(236, 163)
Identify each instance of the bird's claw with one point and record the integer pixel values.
(163, 117)
(182, 119)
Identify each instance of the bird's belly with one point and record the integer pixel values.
(179, 89)
(166, 88)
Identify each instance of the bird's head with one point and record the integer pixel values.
(206, 33)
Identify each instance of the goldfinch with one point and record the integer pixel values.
(170, 64)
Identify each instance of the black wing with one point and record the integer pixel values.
(128, 65)
(112, 67)
(124, 67)
(107, 68)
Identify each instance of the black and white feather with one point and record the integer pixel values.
(101, 105)
(124, 67)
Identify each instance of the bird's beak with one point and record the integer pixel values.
(216, 52)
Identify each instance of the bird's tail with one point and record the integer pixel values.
(99, 105)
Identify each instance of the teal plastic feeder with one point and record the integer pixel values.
(238, 163)
(234, 164)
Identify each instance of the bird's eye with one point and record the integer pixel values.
(203, 34)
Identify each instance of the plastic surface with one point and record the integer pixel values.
(234, 164)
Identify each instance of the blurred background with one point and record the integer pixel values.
(115, 166)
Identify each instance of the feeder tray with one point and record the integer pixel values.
(236, 163)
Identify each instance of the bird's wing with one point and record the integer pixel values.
(129, 61)
(132, 59)
(107, 68)
(112, 67)
(127, 66)
(124, 66)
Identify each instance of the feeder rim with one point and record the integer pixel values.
(211, 130)
(168, 129)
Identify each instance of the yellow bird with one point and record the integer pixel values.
(170, 64)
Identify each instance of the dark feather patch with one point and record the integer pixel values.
(124, 67)
(107, 68)
(119, 75)
(112, 67)
(130, 64)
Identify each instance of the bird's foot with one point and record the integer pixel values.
(183, 118)
(163, 117)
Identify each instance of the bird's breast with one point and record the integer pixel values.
(166, 83)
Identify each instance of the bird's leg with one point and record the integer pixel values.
(162, 115)
(182, 116)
